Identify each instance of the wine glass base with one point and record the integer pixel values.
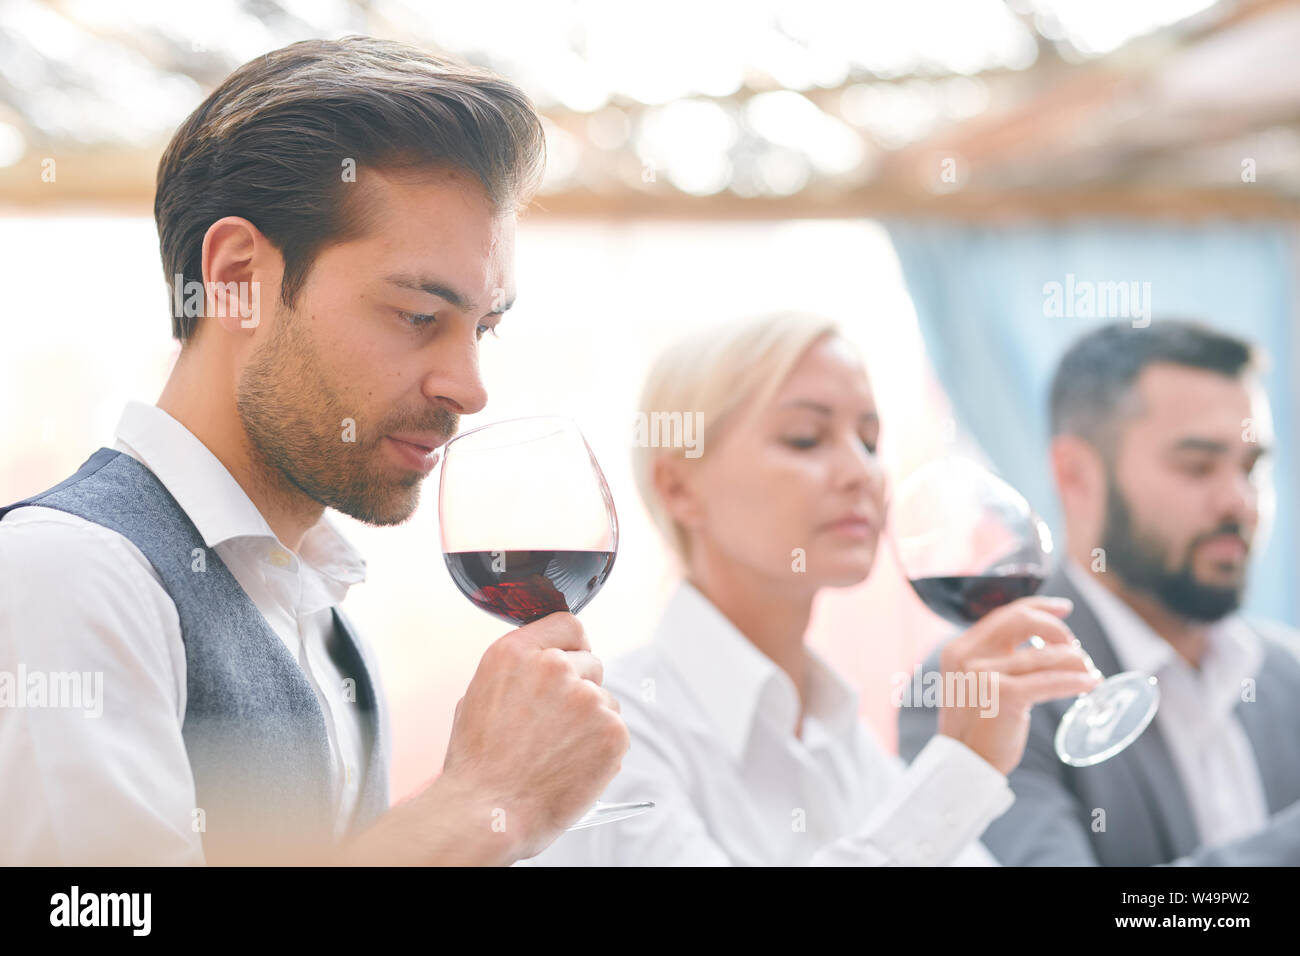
(610, 812)
(1107, 719)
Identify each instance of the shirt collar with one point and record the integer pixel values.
(214, 500)
(735, 683)
(1233, 650)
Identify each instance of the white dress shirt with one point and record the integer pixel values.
(1197, 717)
(713, 724)
(76, 596)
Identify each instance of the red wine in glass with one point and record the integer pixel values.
(965, 598)
(524, 586)
(528, 529)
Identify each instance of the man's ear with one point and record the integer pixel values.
(237, 262)
(673, 482)
(1080, 477)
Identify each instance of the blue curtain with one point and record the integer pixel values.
(979, 296)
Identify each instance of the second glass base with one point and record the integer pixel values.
(1107, 719)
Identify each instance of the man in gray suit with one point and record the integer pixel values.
(1158, 435)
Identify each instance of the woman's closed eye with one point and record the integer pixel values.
(805, 442)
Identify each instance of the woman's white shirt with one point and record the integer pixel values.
(713, 721)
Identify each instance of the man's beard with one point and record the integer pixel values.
(1141, 561)
(295, 423)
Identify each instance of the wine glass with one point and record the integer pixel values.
(968, 543)
(528, 528)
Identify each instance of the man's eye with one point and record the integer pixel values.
(801, 442)
(482, 329)
(416, 319)
(870, 446)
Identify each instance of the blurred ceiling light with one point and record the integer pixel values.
(49, 33)
(964, 96)
(783, 171)
(791, 120)
(326, 15)
(930, 36)
(12, 145)
(669, 50)
(563, 155)
(895, 113)
(689, 142)
(784, 60)
(574, 83)
(608, 128)
(1099, 26)
(701, 175)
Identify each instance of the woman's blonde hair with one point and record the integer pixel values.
(710, 375)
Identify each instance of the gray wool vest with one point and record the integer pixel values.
(253, 728)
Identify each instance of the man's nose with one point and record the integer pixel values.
(1239, 497)
(456, 382)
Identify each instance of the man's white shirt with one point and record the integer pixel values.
(1197, 716)
(713, 722)
(79, 597)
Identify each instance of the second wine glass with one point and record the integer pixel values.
(969, 543)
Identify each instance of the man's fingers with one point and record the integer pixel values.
(587, 665)
(560, 629)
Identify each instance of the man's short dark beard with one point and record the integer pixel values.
(1141, 563)
(291, 415)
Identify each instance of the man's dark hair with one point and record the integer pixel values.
(1092, 388)
(270, 144)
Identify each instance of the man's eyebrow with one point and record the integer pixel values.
(825, 409)
(1210, 445)
(442, 290)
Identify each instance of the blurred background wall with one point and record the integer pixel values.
(920, 171)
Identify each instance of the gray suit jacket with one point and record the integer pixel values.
(1147, 817)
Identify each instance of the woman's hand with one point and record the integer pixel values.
(995, 722)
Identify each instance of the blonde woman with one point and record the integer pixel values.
(748, 743)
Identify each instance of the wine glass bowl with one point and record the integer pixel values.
(527, 522)
(966, 541)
